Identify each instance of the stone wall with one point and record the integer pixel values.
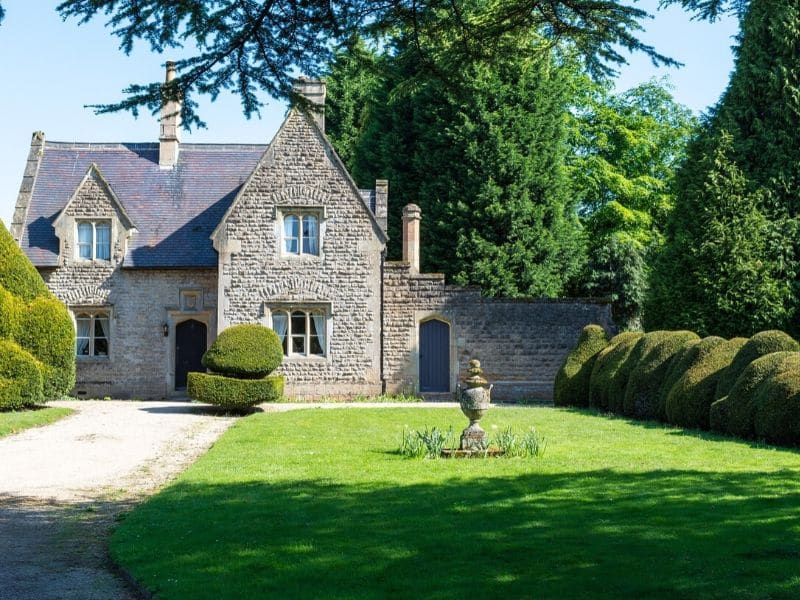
(300, 171)
(141, 359)
(521, 344)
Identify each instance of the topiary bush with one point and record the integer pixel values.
(232, 393)
(761, 344)
(776, 417)
(613, 376)
(11, 309)
(688, 402)
(684, 359)
(572, 380)
(734, 414)
(643, 392)
(47, 332)
(245, 351)
(17, 273)
(606, 364)
(20, 377)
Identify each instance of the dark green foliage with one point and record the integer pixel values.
(731, 265)
(761, 344)
(572, 380)
(20, 377)
(11, 309)
(623, 362)
(233, 393)
(17, 274)
(606, 364)
(47, 332)
(777, 404)
(734, 413)
(723, 269)
(248, 46)
(625, 149)
(482, 156)
(689, 401)
(643, 392)
(248, 350)
(684, 358)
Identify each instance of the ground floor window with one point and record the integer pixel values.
(302, 331)
(92, 333)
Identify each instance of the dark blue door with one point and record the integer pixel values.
(434, 356)
(190, 345)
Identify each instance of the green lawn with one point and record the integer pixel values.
(16, 421)
(317, 504)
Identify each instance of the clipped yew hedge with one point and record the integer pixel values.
(689, 400)
(643, 392)
(735, 413)
(241, 358)
(20, 377)
(46, 331)
(761, 344)
(234, 394)
(606, 366)
(17, 273)
(675, 377)
(248, 350)
(572, 380)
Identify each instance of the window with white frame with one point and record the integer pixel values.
(94, 240)
(92, 332)
(301, 233)
(302, 332)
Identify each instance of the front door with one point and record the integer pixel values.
(190, 345)
(434, 356)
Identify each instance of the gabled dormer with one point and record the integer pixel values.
(93, 227)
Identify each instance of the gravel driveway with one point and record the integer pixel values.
(62, 487)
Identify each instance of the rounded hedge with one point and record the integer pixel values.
(232, 393)
(606, 364)
(734, 414)
(761, 344)
(643, 392)
(11, 309)
(776, 417)
(47, 332)
(608, 383)
(245, 351)
(688, 403)
(572, 380)
(684, 359)
(20, 377)
(17, 273)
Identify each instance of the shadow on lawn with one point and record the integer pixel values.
(592, 534)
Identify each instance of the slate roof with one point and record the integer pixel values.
(174, 210)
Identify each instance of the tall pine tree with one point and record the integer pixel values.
(748, 153)
(482, 152)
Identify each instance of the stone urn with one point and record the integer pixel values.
(475, 400)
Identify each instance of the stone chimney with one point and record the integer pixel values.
(169, 140)
(314, 92)
(412, 215)
(382, 202)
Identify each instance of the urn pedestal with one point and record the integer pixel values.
(475, 400)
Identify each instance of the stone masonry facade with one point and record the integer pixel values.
(198, 242)
(299, 172)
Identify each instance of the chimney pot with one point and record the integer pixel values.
(169, 139)
(382, 202)
(412, 215)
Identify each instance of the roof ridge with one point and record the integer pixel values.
(151, 145)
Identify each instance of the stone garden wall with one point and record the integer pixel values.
(521, 344)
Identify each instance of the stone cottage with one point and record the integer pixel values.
(155, 248)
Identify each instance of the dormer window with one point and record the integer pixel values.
(301, 234)
(94, 240)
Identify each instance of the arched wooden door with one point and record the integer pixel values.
(434, 356)
(190, 345)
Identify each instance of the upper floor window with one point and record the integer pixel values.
(301, 234)
(94, 240)
(302, 332)
(92, 335)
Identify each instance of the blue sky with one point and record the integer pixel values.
(51, 69)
